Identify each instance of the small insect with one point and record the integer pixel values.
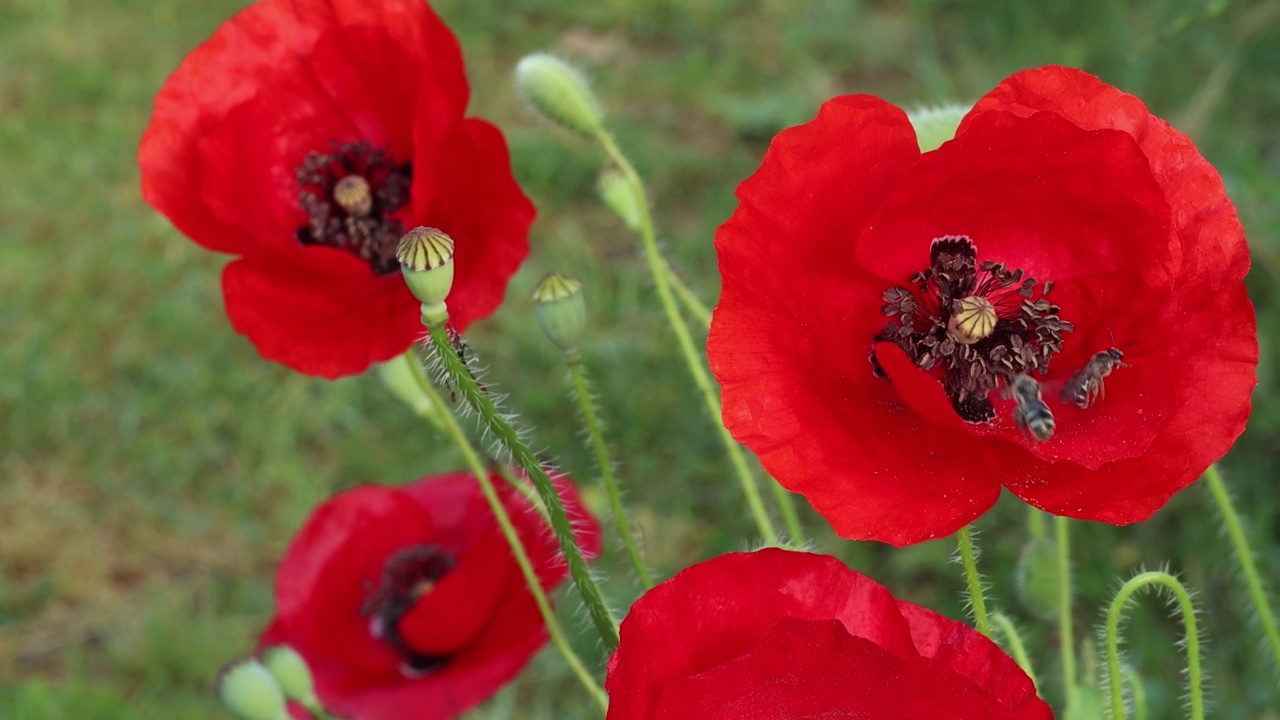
(1031, 414)
(1086, 386)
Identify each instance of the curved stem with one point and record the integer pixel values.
(472, 458)
(497, 424)
(1066, 636)
(970, 559)
(606, 467)
(1244, 555)
(1191, 639)
(684, 339)
(1013, 643)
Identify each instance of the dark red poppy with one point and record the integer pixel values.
(878, 302)
(407, 602)
(782, 634)
(305, 137)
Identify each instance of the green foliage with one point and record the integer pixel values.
(154, 467)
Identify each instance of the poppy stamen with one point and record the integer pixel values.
(351, 196)
(980, 324)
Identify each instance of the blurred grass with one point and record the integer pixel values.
(154, 467)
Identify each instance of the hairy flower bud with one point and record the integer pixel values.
(562, 311)
(426, 259)
(619, 196)
(936, 125)
(1037, 577)
(398, 376)
(559, 92)
(249, 691)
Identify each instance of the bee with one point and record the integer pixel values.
(1031, 415)
(1086, 386)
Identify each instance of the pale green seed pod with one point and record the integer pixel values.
(291, 672)
(426, 260)
(250, 692)
(936, 125)
(562, 310)
(619, 196)
(559, 92)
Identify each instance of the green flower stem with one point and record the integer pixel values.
(1191, 639)
(685, 295)
(1013, 643)
(1138, 693)
(1244, 555)
(606, 467)
(1035, 523)
(701, 376)
(970, 558)
(472, 458)
(497, 424)
(1066, 635)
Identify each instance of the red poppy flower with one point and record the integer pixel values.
(1062, 214)
(407, 602)
(781, 634)
(305, 137)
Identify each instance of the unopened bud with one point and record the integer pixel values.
(562, 311)
(937, 125)
(403, 379)
(249, 691)
(618, 195)
(1037, 577)
(426, 259)
(291, 672)
(559, 92)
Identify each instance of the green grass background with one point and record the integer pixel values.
(154, 467)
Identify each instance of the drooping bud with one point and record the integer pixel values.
(353, 194)
(291, 672)
(401, 377)
(426, 259)
(618, 195)
(562, 311)
(559, 92)
(936, 125)
(972, 319)
(249, 691)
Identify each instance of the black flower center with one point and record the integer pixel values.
(980, 324)
(351, 195)
(406, 577)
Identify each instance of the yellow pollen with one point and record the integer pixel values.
(420, 588)
(972, 319)
(352, 193)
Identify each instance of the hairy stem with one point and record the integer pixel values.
(1191, 639)
(684, 339)
(606, 468)
(460, 375)
(1013, 643)
(969, 557)
(1137, 692)
(1244, 555)
(472, 458)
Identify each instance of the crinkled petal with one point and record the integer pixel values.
(790, 338)
(331, 319)
(464, 186)
(816, 669)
